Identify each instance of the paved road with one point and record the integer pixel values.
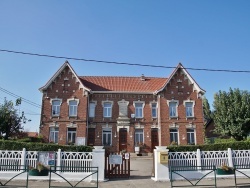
(141, 170)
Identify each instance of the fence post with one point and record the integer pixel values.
(58, 160)
(23, 158)
(161, 169)
(98, 160)
(230, 157)
(198, 157)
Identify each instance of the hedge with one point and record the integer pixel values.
(240, 145)
(33, 146)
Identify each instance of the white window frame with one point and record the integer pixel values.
(73, 107)
(169, 102)
(107, 136)
(154, 108)
(56, 108)
(139, 109)
(54, 134)
(71, 135)
(107, 111)
(189, 135)
(92, 106)
(175, 135)
(139, 137)
(189, 109)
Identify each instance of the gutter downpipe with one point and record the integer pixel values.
(87, 119)
(159, 117)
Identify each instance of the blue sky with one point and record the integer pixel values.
(199, 34)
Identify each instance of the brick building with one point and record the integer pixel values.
(122, 112)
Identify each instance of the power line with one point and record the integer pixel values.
(120, 63)
(23, 99)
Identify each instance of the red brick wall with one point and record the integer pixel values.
(64, 90)
(183, 92)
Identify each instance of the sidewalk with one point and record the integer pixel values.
(136, 183)
(141, 172)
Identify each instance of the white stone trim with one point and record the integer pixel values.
(73, 99)
(71, 125)
(107, 101)
(54, 99)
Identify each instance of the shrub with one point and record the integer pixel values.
(30, 146)
(237, 145)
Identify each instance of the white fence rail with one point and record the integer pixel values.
(67, 159)
(209, 158)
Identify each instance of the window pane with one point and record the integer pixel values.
(92, 110)
(138, 137)
(189, 109)
(54, 134)
(73, 108)
(138, 110)
(172, 109)
(174, 136)
(154, 110)
(107, 109)
(55, 107)
(107, 137)
(71, 135)
(190, 136)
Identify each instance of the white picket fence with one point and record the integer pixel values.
(209, 158)
(67, 159)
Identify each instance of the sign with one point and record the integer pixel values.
(80, 141)
(126, 155)
(47, 158)
(115, 159)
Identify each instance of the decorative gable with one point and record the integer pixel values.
(179, 79)
(64, 75)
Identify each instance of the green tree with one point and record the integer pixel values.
(232, 113)
(10, 121)
(206, 109)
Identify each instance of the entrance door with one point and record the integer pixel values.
(122, 139)
(154, 139)
(91, 137)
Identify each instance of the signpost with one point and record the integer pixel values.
(115, 159)
(46, 158)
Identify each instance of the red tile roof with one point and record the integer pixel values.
(123, 84)
(32, 134)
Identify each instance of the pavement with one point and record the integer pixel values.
(141, 174)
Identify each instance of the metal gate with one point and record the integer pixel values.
(117, 165)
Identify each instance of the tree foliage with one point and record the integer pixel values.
(232, 113)
(10, 121)
(206, 109)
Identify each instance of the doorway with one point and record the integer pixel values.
(122, 139)
(154, 139)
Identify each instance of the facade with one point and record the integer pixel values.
(121, 113)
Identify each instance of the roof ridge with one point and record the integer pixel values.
(126, 76)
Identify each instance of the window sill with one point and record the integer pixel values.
(173, 117)
(190, 117)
